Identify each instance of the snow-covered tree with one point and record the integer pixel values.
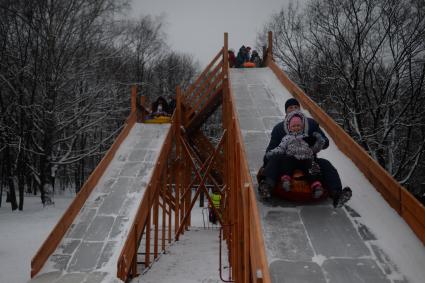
(363, 62)
(66, 67)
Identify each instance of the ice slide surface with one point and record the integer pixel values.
(366, 241)
(90, 249)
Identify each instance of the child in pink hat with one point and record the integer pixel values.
(294, 145)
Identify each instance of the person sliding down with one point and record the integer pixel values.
(272, 165)
(299, 154)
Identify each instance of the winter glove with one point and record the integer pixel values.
(320, 142)
(299, 149)
(281, 148)
(315, 169)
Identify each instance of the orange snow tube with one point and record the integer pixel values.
(300, 189)
(248, 65)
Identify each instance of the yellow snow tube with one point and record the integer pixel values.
(158, 120)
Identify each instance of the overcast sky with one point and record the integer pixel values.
(197, 26)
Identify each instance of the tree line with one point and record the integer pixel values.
(66, 67)
(363, 62)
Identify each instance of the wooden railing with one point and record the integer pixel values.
(208, 84)
(158, 194)
(245, 240)
(56, 235)
(242, 225)
(410, 209)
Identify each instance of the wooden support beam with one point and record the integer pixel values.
(155, 217)
(201, 186)
(270, 47)
(133, 99)
(226, 55)
(164, 210)
(148, 240)
(177, 124)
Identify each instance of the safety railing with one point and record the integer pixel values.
(157, 195)
(409, 208)
(163, 193)
(242, 227)
(208, 84)
(245, 238)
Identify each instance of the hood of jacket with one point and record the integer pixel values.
(303, 119)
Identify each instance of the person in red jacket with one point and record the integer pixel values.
(232, 58)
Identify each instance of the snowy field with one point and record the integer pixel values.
(195, 258)
(23, 232)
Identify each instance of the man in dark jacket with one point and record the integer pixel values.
(272, 166)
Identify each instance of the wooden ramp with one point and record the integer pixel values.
(317, 243)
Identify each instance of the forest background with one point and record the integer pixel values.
(66, 68)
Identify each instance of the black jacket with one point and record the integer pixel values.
(279, 131)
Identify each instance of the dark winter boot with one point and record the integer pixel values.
(341, 198)
(265, 189)
(317, 189)
(286, 183)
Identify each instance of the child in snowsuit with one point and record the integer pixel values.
(296, 146)
(216, 202)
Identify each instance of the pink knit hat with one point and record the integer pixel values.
(295, 120)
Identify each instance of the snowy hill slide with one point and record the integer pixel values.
(367, 241)
(90, 249)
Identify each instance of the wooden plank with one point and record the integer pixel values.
(210, 106)
(414, 223)
(414, 213)
(155, 218)
(212, 81)
(206, 70)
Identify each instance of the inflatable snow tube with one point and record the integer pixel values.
(158, 120)
(248, 65)
(300, 189)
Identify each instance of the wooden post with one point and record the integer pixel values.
(133, 99)
(187, 181)
(148, 239)
(164, 206)
(133, 267)
(177, 172)
(143, 107)
(270, 47)
(157, 187)
(246, 240)
(170, 181)
(226, 55)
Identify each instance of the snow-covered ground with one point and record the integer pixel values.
(195, 258)
(23, 232)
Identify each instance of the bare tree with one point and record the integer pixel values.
(65, 71)
(45, 42)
